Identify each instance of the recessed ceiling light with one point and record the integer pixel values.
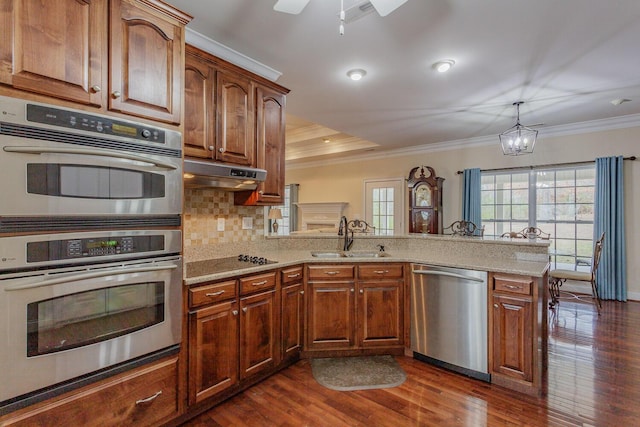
(326, 140)
(356, 74)
(444, 65)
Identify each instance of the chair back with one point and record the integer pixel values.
(462, 228)
(597, 252)
(514, 235)
(535, 230)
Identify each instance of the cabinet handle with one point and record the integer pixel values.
(352, 290)
(244, 310)
(96, 88)
(116, 94)
(495, 305)
(291, 276)
(514, 287)
(362, 291)
(381, 271)
(221, 150)
(234, 312)
(301, 292)
(264, 282)
(211, 147)
(148, 399)
(214, 294)
(331, 273)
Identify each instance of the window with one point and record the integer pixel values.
(559, 201)
(289, 220)
(384, 202)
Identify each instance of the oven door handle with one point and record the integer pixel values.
(88, 151)
(91, 275)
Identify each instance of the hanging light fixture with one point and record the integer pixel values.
(518, 139)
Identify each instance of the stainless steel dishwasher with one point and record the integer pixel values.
(449, 319)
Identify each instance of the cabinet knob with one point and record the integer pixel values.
(234, 312)
(352, 290)
(116, 94)
(221, 150)
(495, 305)
(301, 292)
(244, 310)
(362, 291)
(96, 88)
(260, 192)
(211, 148)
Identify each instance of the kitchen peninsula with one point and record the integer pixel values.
(370, 284)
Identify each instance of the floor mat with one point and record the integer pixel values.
(358, 373)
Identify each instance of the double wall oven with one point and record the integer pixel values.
(90, 247)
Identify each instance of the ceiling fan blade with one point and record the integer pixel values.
(293, 7)
(385, 7)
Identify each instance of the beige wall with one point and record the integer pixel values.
(344, 182)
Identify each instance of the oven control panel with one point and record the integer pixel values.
(54, 250)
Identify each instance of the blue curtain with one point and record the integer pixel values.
(471, 196)
(611, 275)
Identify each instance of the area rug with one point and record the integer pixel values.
(358, 373)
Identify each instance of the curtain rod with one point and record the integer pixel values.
(542, 166)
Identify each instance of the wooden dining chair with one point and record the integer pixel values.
(558, 277)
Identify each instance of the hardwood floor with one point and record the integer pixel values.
(593, 380)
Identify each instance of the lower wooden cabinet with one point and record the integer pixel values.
(355, 307)
(145, 396)
(292, 311)
(213, 350)
(517, 321)
(258, 333)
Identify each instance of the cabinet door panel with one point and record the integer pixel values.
(199, 108)
(258, 334)
(380, 308)
(146, 65)
(56, 48)
(234, 107)
(213, 350)
(292, 326)
(512, 337)
(270, 144)
(331, 312)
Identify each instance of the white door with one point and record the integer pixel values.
(384, 205)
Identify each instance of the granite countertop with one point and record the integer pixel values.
(196, 272)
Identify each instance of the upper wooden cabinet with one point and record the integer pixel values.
(236, 117)
(120, 55)
(55, 48)
(270, 128)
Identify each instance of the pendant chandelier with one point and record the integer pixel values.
(518, 139)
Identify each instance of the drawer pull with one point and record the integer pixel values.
(264, 282)
(148, 399)
(514, 287)
(291, 276)
(381, 271)
(331, 273)
(214, 294)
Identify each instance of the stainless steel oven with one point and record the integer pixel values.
(73, 304)
(59, 162)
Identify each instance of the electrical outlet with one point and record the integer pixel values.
(220, 224)
(247, 223)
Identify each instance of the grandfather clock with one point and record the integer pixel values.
(425, 201)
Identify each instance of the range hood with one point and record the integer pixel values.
(199, 173)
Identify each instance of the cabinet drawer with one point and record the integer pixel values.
(512, 284)
(257, 283)
(291, 275)
(387, 271)
(144, 397)
(328, 272)
(203, 295)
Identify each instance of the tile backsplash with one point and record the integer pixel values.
(203, 207)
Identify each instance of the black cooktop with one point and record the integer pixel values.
(222, 265)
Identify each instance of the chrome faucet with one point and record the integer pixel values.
(343, 230)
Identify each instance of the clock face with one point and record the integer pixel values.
(423, 196)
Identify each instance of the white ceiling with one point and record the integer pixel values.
(567, 59)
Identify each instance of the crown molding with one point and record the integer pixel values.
(600, 125)
(221, 51)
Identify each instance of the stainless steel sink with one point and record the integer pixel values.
(356, 254)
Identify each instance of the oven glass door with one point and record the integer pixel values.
(49, 178)
(63, 323)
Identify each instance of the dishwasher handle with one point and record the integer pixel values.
(446, 273)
